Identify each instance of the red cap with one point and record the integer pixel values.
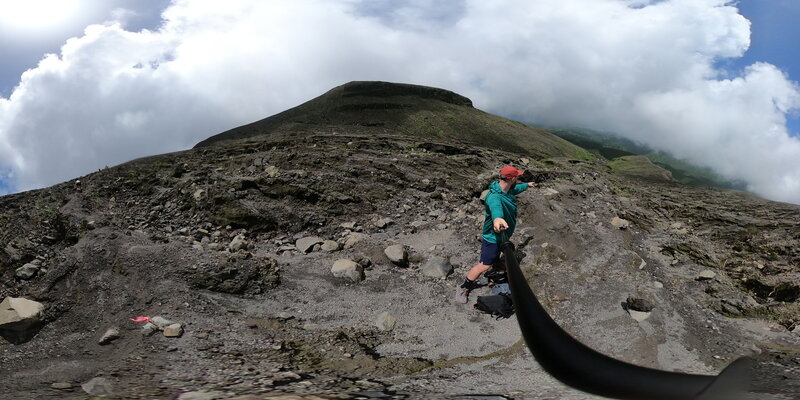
(510, 172)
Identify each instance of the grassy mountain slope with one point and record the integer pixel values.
(611, 147)
(411, 110)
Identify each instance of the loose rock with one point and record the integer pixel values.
(639, 316)
(329, 246)
(20, 319)
(706, 275)
(200, 194)
(437, 267)
(26, 271)
(397, 254)
(111, 335)
(174, 330)
(385, 321)
(202, 395)
(638, 304)
(354, 238)
(384, 222)
(620, 223)
(98, 387)
(548, 192)
(306, 244)
(238, 243)
(344, 268)
(61, 385)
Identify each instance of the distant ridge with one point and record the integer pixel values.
(407, 110)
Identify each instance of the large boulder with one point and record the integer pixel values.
(20, 319)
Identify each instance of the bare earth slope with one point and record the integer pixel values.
(209, 238)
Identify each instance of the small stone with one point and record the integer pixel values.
(238, 243)
(397, 254)
(384, 222)
(355, 238)
(61, 385)
(329, 246)
(348, 225)
(385, 321)
(26, 271)
(706, 275)
(174, 330)
(345, 268)
(437, 267)
(202, 395)
(415, 258)
(658, 285)
(638, 304)
(306, 244)
(200, 194)
(548, 192)
(98, 387)
(271, 171)
(161, 321)
(286, 247)
(111, 335)
(286, 377)
(620, 223)
(639, 316)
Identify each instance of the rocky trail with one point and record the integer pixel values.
(323, 266)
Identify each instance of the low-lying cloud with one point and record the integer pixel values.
(643, 69)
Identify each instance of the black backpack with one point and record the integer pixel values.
(499, 305)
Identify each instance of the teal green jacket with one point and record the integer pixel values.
(501, 205)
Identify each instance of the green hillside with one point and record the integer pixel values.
(410, 110)
(613, 147)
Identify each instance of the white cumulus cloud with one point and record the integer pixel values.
(644, 69)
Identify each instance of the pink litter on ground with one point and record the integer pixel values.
(141, 319)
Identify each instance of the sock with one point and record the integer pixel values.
(468, 284)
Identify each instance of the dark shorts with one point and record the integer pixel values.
(489, 252)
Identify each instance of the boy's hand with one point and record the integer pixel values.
(500, 224)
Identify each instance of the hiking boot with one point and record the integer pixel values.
(461, 295)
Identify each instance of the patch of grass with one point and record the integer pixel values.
(639, 166)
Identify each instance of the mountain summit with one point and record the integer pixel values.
(405, 110)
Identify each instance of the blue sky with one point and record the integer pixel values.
(86, 84)
(774, 39)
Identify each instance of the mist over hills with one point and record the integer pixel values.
(241, 239)
(610, 147)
